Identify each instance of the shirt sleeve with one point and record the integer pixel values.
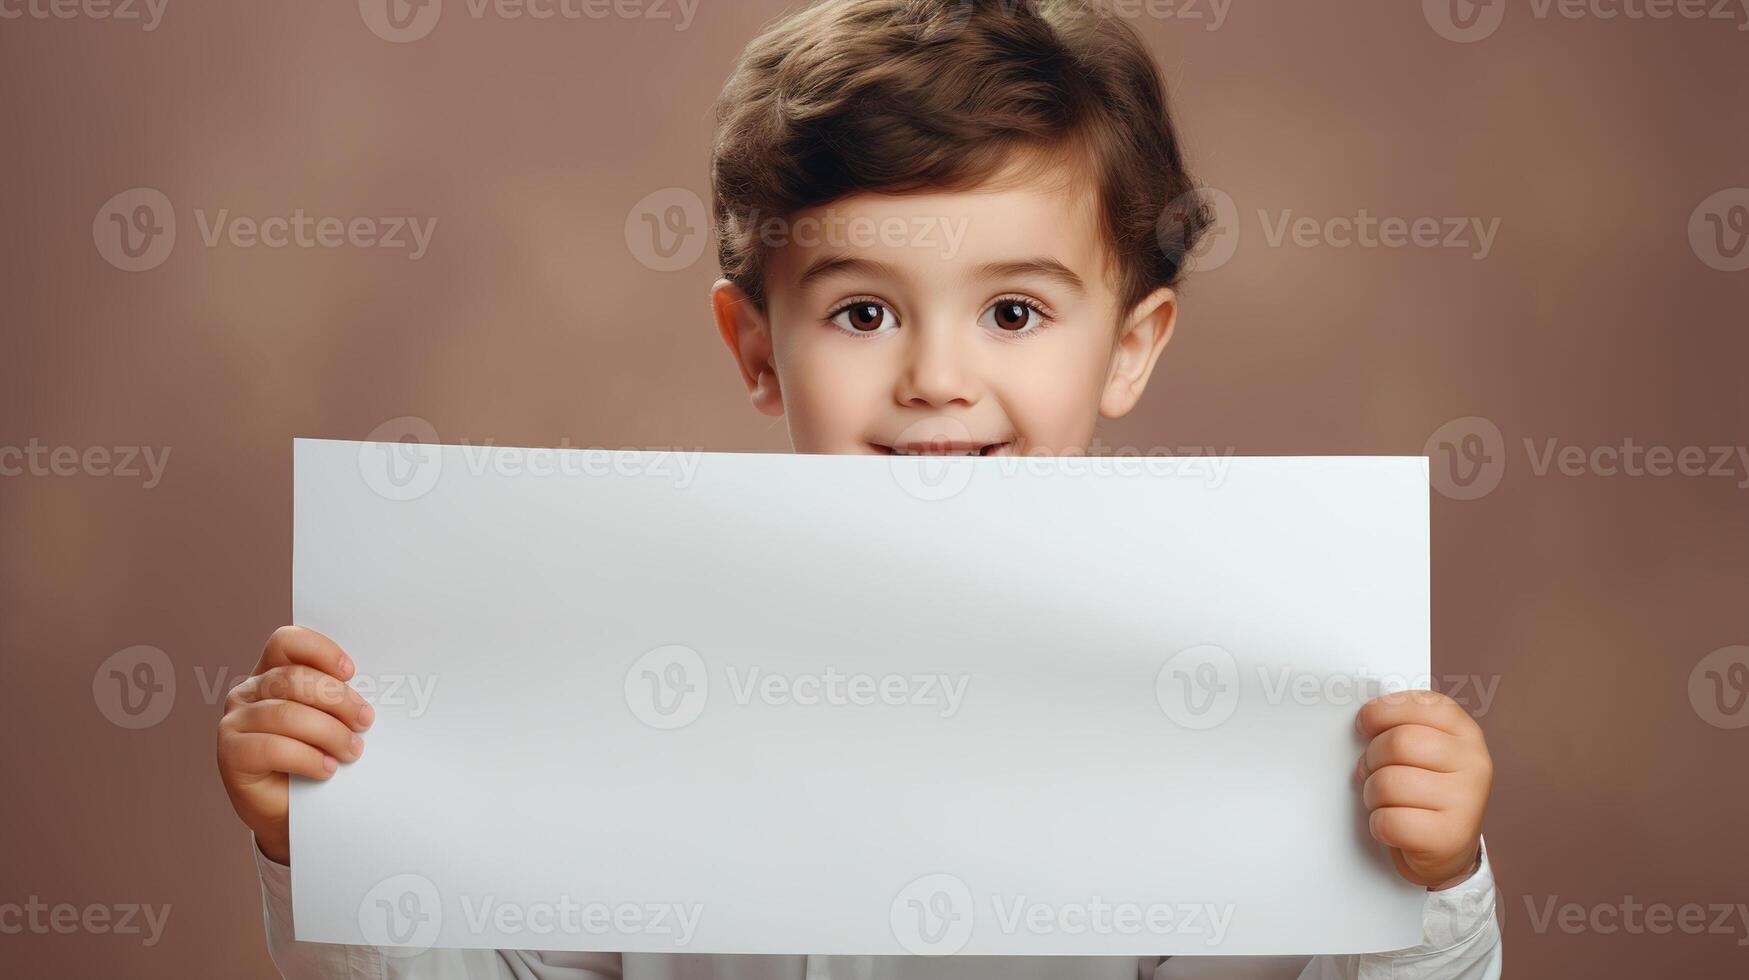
(1460, 940)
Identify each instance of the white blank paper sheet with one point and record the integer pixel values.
(749, 703)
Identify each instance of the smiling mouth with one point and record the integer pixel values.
(944, 447)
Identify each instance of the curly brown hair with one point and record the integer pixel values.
(891, 96)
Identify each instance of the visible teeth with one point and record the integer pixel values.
(913, 451)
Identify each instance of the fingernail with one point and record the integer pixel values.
(357, 746)
(366, 715)
(345, 664)
(329, 764)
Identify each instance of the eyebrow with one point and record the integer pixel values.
(838, 265)
(1047, 268)
(1044, 267)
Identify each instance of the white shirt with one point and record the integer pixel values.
(1460, 941)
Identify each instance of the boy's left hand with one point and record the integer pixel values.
(1425, 775)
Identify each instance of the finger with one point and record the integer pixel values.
(259, 754)
(1405, 786)
(299, 645)
(1429, 708)
(297, 720)
(1409, 828)
(295, 682)
(1412, 745)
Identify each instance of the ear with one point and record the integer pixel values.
(744, 328)
(1145, 333)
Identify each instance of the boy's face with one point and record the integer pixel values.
(971, 322)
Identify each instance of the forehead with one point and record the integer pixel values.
(933, 237)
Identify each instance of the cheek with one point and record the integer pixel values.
(1052, 394)
(831, 390)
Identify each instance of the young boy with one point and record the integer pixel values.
(937, 225)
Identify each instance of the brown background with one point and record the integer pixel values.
(1590, 598)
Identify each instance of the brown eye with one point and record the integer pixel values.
(1013, 316)
(864, 317)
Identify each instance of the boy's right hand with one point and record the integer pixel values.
(294, 714)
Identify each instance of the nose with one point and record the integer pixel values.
(935, 374)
